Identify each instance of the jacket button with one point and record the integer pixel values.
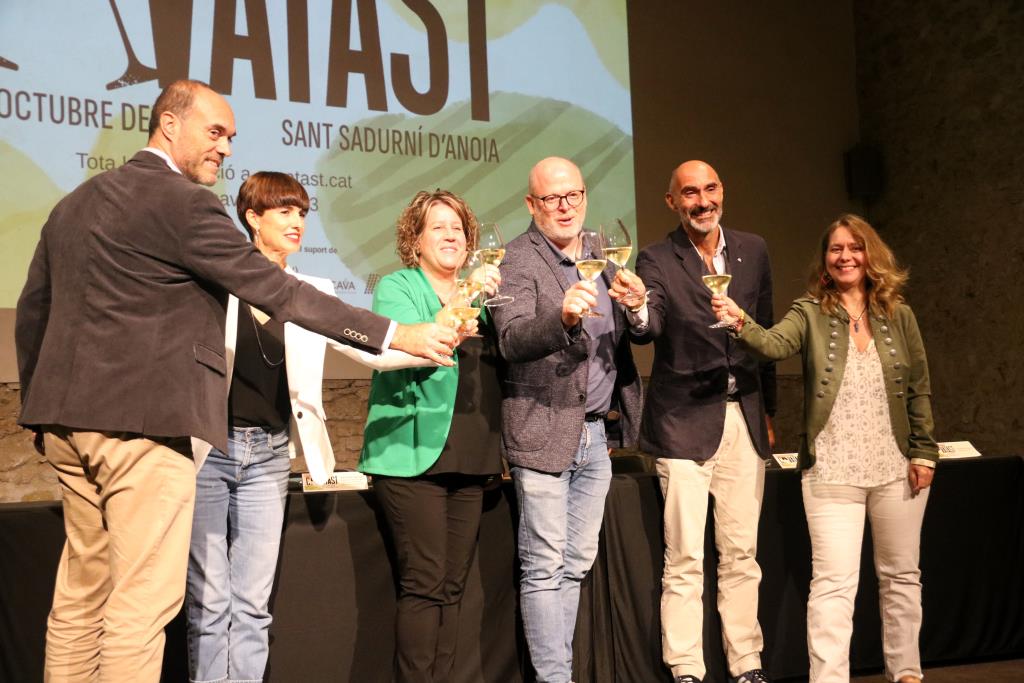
(898, 380)
(833, 322)
(888, 340)
(835, 334)
(831, 356)
(825, 380)
(828, 368)
(821, 394)
(885, 328)
(896, 366)
(299, 414)
(899, 394)
(583, 397)
(831, 345)
(892, 352)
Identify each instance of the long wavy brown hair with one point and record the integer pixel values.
(410, 223)
(884, 278)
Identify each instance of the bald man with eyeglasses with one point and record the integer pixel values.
(570, 389)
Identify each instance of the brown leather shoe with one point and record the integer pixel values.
(909, 679)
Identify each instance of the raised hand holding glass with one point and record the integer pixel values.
(491, 250)
(718, 284)
(590, 267)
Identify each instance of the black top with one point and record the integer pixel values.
(259, 385)
(474, 439)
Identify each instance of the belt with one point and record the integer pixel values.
(610, 416)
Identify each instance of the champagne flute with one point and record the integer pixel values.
(491, 250)
(718, 283)
(617, 245)
(466, 302)
(464, 307)
(588, 245)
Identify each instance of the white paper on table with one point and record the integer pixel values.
(338, 481)
(952, 450)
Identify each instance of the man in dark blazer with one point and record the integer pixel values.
(568, 378)
(120, 344)
(706, 421)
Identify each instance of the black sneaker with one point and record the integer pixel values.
(752, 676)
(687, 678)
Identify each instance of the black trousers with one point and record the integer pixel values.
(434, 522)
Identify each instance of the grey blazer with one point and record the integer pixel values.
(120, 326)
(544, 382)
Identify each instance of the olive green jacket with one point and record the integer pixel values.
(823, 341)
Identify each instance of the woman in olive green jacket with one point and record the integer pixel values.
(867, 448)
(432, 434)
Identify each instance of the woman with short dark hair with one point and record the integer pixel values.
(275, 411)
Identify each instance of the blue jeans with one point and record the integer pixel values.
(559, 521)
(236, 534)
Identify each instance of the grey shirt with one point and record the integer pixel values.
(601, 372)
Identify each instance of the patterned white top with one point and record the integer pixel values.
(857, 447)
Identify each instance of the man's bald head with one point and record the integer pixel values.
(193, 125)
(695, 193)
(177, 98)
(552, 181)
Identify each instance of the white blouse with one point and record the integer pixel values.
(857, 447)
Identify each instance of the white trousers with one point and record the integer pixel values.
(734, 476)
(835, 518)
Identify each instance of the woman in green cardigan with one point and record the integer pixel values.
(432, 434)
(867, 447)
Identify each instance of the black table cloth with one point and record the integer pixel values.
(334, 598)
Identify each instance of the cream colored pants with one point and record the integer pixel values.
(734, 477)
(835, 518)
(121, 578)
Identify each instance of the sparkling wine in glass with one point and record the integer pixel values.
(590, 267)
(617, 244)
(718, 284)
(466, 301)
(617, 248)
(464, 311)
(491, 250)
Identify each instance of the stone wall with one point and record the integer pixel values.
(25, 475)
(940, 95)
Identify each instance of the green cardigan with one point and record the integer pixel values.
(823, 341)
(410, 410)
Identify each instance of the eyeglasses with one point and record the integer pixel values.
(552, 201)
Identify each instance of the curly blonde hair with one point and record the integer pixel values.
(410, 223)
(884, 278)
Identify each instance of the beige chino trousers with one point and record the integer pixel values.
(835, 519)
(734, 477)
(121, 578)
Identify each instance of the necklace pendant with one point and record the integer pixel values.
(856, 326)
